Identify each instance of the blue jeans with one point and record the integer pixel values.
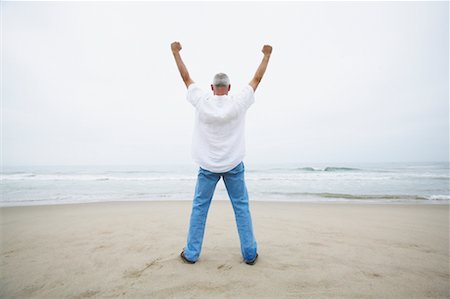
(237, 191)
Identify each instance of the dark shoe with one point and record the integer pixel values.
(252, 262)
(185, 259)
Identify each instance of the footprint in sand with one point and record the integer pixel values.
(137, 273)
(373, 274)
(88, 293)
(224, 267)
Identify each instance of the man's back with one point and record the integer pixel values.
(218, 143)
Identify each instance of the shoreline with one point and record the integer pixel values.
(331, 201)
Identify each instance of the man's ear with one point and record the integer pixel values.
(212, 87)
(229, 87)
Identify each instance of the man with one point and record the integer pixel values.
(219, 148)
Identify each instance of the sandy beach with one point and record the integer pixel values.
(131, 249)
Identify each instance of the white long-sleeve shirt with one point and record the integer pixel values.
(218, 141)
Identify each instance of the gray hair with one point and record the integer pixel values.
(221, 79)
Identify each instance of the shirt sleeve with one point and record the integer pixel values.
(246, 97)
(194, 94)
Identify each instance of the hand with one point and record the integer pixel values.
(267, 50)
(176, 47)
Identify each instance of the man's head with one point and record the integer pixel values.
(221, 84)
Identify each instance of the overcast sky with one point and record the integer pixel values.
(96, 83)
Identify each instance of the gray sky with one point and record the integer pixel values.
(96, 83)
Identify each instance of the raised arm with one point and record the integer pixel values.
(267, 50)
(176, 47)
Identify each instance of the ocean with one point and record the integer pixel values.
(308, 182)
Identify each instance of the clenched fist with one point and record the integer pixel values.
(267, 49)
(176, 47)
